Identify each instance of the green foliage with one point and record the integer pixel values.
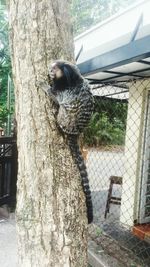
(87, 13)
(5, 67)
(3, 115)
(98, 231)
(107, 125)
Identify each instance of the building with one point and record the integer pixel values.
(117, 52)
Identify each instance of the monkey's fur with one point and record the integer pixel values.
(75, 105)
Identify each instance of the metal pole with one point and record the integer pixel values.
(8, 106)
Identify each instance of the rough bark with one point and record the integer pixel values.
(51, 213)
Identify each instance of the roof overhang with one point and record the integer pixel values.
(117, 49)
(136, 51)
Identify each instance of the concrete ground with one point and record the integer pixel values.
(8, 242)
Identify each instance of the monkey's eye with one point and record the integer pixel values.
(54, 69)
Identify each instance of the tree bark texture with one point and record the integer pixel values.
(51, 212)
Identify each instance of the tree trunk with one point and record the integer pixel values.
(51, 212)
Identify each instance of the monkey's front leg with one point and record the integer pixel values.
(45, 87)
(48, 90)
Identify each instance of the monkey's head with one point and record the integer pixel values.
(64, 73)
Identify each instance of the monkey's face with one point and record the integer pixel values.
(55, 72)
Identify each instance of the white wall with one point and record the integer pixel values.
(134, 132)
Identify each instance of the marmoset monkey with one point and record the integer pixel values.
(70, 91)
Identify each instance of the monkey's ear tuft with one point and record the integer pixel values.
(68, 75)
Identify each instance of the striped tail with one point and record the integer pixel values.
(77, 156)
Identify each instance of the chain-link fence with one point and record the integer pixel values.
(118, 162)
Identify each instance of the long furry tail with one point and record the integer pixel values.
(77, 156)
